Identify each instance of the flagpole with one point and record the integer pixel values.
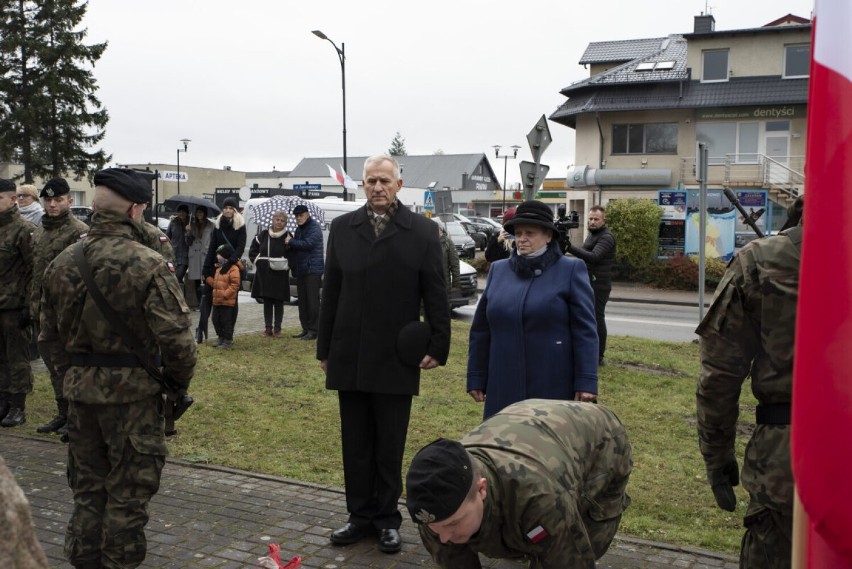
(800, 534)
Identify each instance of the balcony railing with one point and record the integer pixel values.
(783, 177)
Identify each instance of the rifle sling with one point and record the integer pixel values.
(109, 313)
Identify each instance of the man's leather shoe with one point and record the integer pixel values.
(300, 334)
(389, 541)
(14, 417)
(349, 533)
(309, 336)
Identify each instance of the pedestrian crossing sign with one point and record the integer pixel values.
(428, 200)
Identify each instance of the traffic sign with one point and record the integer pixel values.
(532, 177)
(428, 200)
(539, 138)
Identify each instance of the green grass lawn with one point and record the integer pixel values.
(263, 407)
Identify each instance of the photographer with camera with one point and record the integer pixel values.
(563, 223)
(598, 252)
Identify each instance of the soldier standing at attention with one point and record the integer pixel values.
(58, 230)
(541, 480)
(16, 271)
(750, 330)
(116, 448)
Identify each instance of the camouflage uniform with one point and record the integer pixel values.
(19, 547)
(152, 237)
(51, 238)
(16, 270)
(749, 330)
(557, 466)
(116, 444)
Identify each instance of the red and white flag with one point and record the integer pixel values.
(822, 388)
(342, 177)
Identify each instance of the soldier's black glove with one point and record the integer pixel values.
(722, 481)
(25, 319)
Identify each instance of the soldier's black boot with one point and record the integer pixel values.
(55, 424)
(16, 415)
(4, 404)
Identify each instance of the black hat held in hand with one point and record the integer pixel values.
(412, 342)
(438, 481)
(531, 212)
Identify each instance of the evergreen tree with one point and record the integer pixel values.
(52, 117)
(397, 146)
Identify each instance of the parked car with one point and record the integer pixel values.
(479, 237)
(83, 213)
(465, 293)
(487, 221)
(445, 217)
(464, 243)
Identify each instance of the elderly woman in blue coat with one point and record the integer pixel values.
(534, 333)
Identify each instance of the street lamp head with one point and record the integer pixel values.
(496, 148)
(515, 149)
(320, 35)
(185, 142)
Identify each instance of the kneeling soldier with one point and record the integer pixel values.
(541, 480)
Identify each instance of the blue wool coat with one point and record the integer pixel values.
(306, 256)
(534, 337)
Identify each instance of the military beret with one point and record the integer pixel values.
(54, 188)
(7, 185)
(438, 481)
(412, 342)
(301, 208)
(127, 183)
(232, 202)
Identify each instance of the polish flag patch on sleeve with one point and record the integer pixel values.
(537, 534)
(170, 266)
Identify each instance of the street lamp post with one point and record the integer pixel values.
(505, 158)
(185, 142)
(341, 55)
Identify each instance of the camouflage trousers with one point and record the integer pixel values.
(16, 374)
(56, 380)
(116, 454)
(768, 540)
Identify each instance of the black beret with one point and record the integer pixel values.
(127, 183)
(54, 188)
(412, 342)
(438, 481)
(231, 202)
(301, 208)
(532, 212)
(7, 186)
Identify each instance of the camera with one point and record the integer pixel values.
(564, 222)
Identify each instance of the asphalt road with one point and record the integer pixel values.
(643, 320)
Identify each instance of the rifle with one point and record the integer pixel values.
(750, 219)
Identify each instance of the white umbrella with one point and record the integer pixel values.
(263, 211)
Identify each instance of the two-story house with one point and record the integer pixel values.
(647, 102)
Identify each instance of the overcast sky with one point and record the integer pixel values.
(253, 89)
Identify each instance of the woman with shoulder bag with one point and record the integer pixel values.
(271, 277)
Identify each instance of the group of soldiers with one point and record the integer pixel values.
(541, 481)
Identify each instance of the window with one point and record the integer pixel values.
(658, 138)
(797, 60)
(714, 65)
(740, 140)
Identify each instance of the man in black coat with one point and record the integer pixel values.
(598, 252)
(382, 262)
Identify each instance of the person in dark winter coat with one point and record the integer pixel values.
(307, 264)
(383, 262)
(177, 231)
(271, 286)
(533, 334)
(501, 244)
(598, 251)
(228, 229)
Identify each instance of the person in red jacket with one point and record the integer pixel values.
(225, 283)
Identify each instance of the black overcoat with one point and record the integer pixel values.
(372, 287)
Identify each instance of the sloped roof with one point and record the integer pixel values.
(417, 171)
(621, 50)
(670, 49)
(740, 91)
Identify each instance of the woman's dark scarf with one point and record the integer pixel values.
(528, 267)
